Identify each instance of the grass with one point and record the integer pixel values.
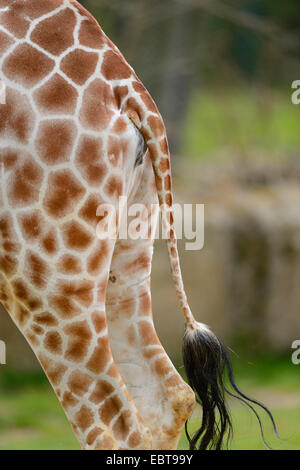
(31, 417)
(239, 122)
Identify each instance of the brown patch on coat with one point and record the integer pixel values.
(162, 366)
(76, 237)
(69, 264)
(139, 87)
(157, 126)
(56, 96)
(92, 436)
(55, 139)
(114, 66)
(98, 258)
(5, 42)
(101, 290)
(101, 391)
(63, 192)
(147, 99)
(46, 319)
(21, 314)
(84, 418)
(55, 34)
(31, 225)
(54, 370)
(164, 164)
(8, 264)
(145, 304)
(36, 270)
(90, 161)
(80, 291)
(131, 335)
(164, 146)
(100, 357)
(90, 35)
(120, 126)
(110, 409)
(14, 21)
(79, 65)
(121, 428)
(8, 157)
(88, 211)
(50, 243)
(22, 292)
(173, 381)
(134, 439)
(79, 383)
(27, 66)
(37, 8)
(139, 264)
(23, 187)
(79, 336)
(114, 187)
(147, 333)
(69, 400)
(170, 218)
(99, 321)
(16, 117)
(7, 230)
(134, 110)
(167, 183)
(53, 342)
(64, 307)
(114, 373)
(120, 93)
(150, 104)
(169, 199)
(96, 110)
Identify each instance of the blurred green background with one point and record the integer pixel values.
(221, 74)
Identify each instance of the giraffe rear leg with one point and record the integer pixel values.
(164, 400)
(71, 343)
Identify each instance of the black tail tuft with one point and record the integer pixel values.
(207, 365)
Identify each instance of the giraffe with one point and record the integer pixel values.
(79, 129)
(68, 144)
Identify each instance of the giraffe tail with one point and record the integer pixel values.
(206, 360)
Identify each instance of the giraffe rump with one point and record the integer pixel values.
(209, 370)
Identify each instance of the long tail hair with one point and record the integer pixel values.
(210, 374)
(207, 363)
